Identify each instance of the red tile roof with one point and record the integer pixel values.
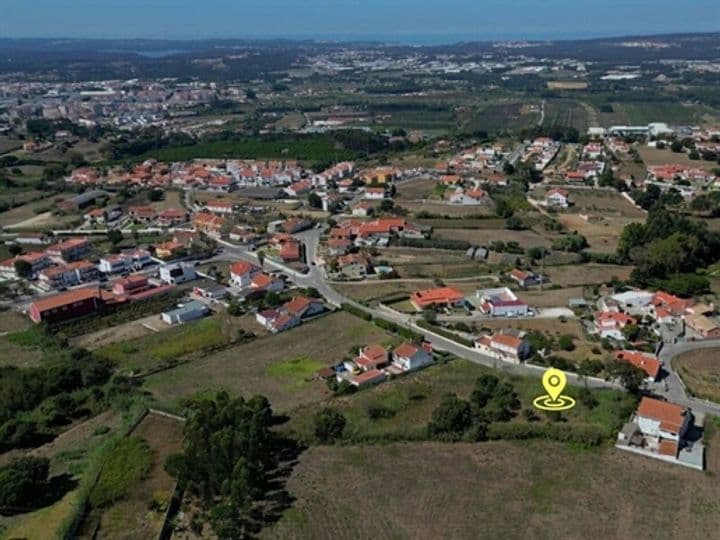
(670, 415)
(241, 267)
(649, 363)
(65, 298)
(405, 350)
(440, 295)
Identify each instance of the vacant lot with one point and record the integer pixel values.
(587, 274)
(173, 343)
(493, 490)
(419, 188)
(251, 368)
(550, 297)
(700, 370)
(450, 210)
(653, 156)
(121, 333)
(603, 235)
(484, 237)
(132, 516)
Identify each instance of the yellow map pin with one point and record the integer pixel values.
(554, 382)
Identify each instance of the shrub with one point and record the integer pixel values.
(376, 412)
(329, 425)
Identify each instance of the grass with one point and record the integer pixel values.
(412, 398)
(175, 343)
(243, 369)
(311, 148)
(41, 523)
(127, 465)
(700, 372)
(537, 490)
(294, 372)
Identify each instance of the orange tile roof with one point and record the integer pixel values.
(405, 350)
(670, 415)
(65, 298)
(440, 295)
(368, 376)
(241, 267)
(508, 341)
(649, 363)
(668, 448)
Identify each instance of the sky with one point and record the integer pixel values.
(400, 20)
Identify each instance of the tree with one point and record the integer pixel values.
(329, 425)
(155, 195)
(484, 388)
(314, 200)
(23, 268)
(514, 223)
(22, 481)
(451, 418)
(676, 147)
(566, 343)
(387, 205)
(429, 316)
(631, 377)
(114, 236)
(571, 242)
(272, 299)
(15, 249)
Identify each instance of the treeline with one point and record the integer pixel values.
(667, 250)
(228, 454)
(36, 401)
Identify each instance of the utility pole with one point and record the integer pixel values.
(542, 269)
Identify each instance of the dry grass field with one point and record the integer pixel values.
(567, 85)
(586, 274)
(420, 188)
(483, 237)
(280, 367)
(602, 235)
(548, 298)
(700, 370)
(494, 490)
(450, 210)
(653, 156)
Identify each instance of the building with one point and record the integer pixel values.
(504, 346)
(266, 283)
(290, 314)
(189, 311)
(367, 378)
(70, 250)
(174, 274)
(296, 225)
(649, 363)
(702, 326)
(169, 250)
(125, 262)
(609, 324)
(83, 200)
(66, 305)
(354, 266)
(36, 259)
(558, 198)
(500, 302)
(210, 290)
(525, 278)
(409, 357)
(221, 207)
(131, 285)
(374, 193)
(372, 357)
(242, 273)
(172, 217)
(444, 297)
(142, 214)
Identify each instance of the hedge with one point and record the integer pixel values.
(586, 435)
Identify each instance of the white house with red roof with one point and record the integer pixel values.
(557, 198)
(242, 273)
(647, 362)
(221, 207)
(290, 314)
(500, 302)
(266, 283)
(368, 378)
(374, 193)
(504, 347)
(372, 357)
(609, 324)
(409, 357)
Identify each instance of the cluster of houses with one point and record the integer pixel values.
(378, 232)
(540, 152)
(290, 314)
(631, 307)
(475, 159)
(374, 363)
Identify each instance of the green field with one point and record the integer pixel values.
(411, 399)
(315, 148)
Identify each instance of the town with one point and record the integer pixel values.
(170, 249)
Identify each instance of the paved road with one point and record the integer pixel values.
(315, 278)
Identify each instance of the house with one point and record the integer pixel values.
(221, 207)
(36, 259)
(290, 251)
(338, 246)
(372, 357)
(174, 274)
(188, 311)
(702, 326)
(66, 305)
(244, 235)
(124, 262)
(172, 217)
(504, 346)
(367, 378)
(354, 266)
(445, 297)
(500, 302)
(83, 200)
(169, 250)
(266, 283)
(242, 273)
(525, 278)
(96, 215)
(70, 250)
(649, 363)
(131, 285)
(363, 209)
(297, 189)
(32, 238)
(276, 320)
(67, 275)
(303, 306)
(469, 197)
(667, 307)
(609, 324)
(296, 225)
(374, 193)
(409, 357)
(558, 198)
(209, 224)
(210, 290)
(142, 213)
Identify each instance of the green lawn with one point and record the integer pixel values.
(295, 372)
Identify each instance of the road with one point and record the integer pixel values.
(315, 278)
